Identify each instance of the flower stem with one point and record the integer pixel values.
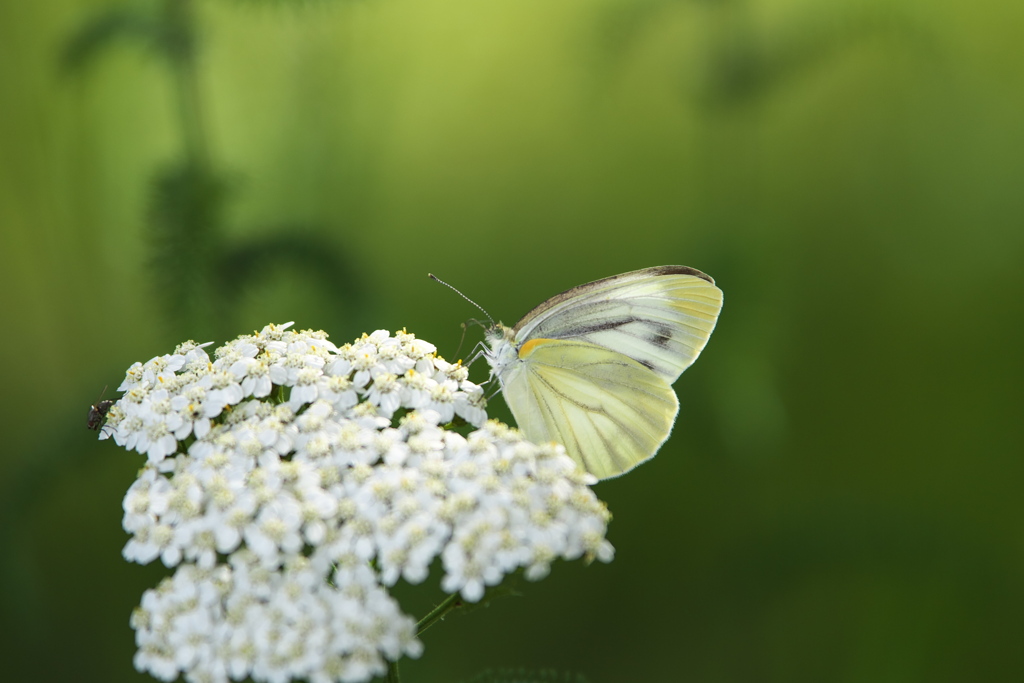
(438, 613)
(393, 676)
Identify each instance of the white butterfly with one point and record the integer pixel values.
(592, 368)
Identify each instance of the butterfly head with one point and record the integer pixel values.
(500, 351)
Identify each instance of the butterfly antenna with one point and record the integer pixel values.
(437, 279)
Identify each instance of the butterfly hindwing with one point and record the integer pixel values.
(609, 411)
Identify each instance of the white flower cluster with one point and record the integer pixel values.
(291, 481)
(241, 620)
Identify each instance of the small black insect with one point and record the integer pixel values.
(98, 412)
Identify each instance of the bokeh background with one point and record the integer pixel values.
(841, 498)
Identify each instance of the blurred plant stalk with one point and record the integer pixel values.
(199, 276)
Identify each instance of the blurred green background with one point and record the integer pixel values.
(841, 498)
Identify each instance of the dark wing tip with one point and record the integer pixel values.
(680, 270)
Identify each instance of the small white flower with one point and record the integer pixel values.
(253, 374)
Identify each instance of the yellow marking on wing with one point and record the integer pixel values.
(530, 346)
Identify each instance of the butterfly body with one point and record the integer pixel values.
(591, 368)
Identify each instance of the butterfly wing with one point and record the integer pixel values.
(660, 317)
(609, 411)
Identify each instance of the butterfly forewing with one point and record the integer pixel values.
(660, 317)
(610, 412)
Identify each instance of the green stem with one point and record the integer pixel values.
(191, 116)
(190, 111)
(438, 613)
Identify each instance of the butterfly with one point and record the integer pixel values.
(592, 368)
